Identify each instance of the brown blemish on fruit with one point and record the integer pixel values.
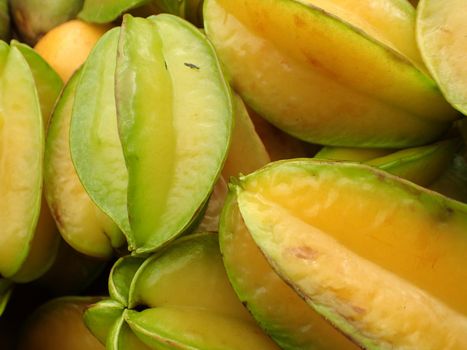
(304, 253)
(380, 176)
(319, 67)
(299, 22)
(445, 214)
(445, 30)
(358, 309)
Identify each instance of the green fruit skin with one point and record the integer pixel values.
(121, 337)
(34, 18)
(101, 316)
(191, 10)
(121, 278)
(95, 146)
(154, 130)
(105, 11)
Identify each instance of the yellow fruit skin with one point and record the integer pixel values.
(322, 80)
(394, 244)
(67, 46)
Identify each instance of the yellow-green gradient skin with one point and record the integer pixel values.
(272, 302)
(392, 277)
(322, 79)
(105, 318)
(210, 316)
(162, 281)
(442, 38)
(191, 328)
(420, 165)
(81, 223)
(351, 154)
(43, 248)
(48, 83)
(44, 245)
(175, 118)
(21, 155)
(95, 145)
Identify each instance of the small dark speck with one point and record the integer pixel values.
(165, 64)
(191, 65)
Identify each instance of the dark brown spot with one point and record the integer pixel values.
(445, 214)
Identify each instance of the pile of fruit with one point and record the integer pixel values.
(233, 174)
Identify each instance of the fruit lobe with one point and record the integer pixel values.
(174, 145)
(273, 303)
(22, 134)
(346, 86)
(420, 253)
(80, 222)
